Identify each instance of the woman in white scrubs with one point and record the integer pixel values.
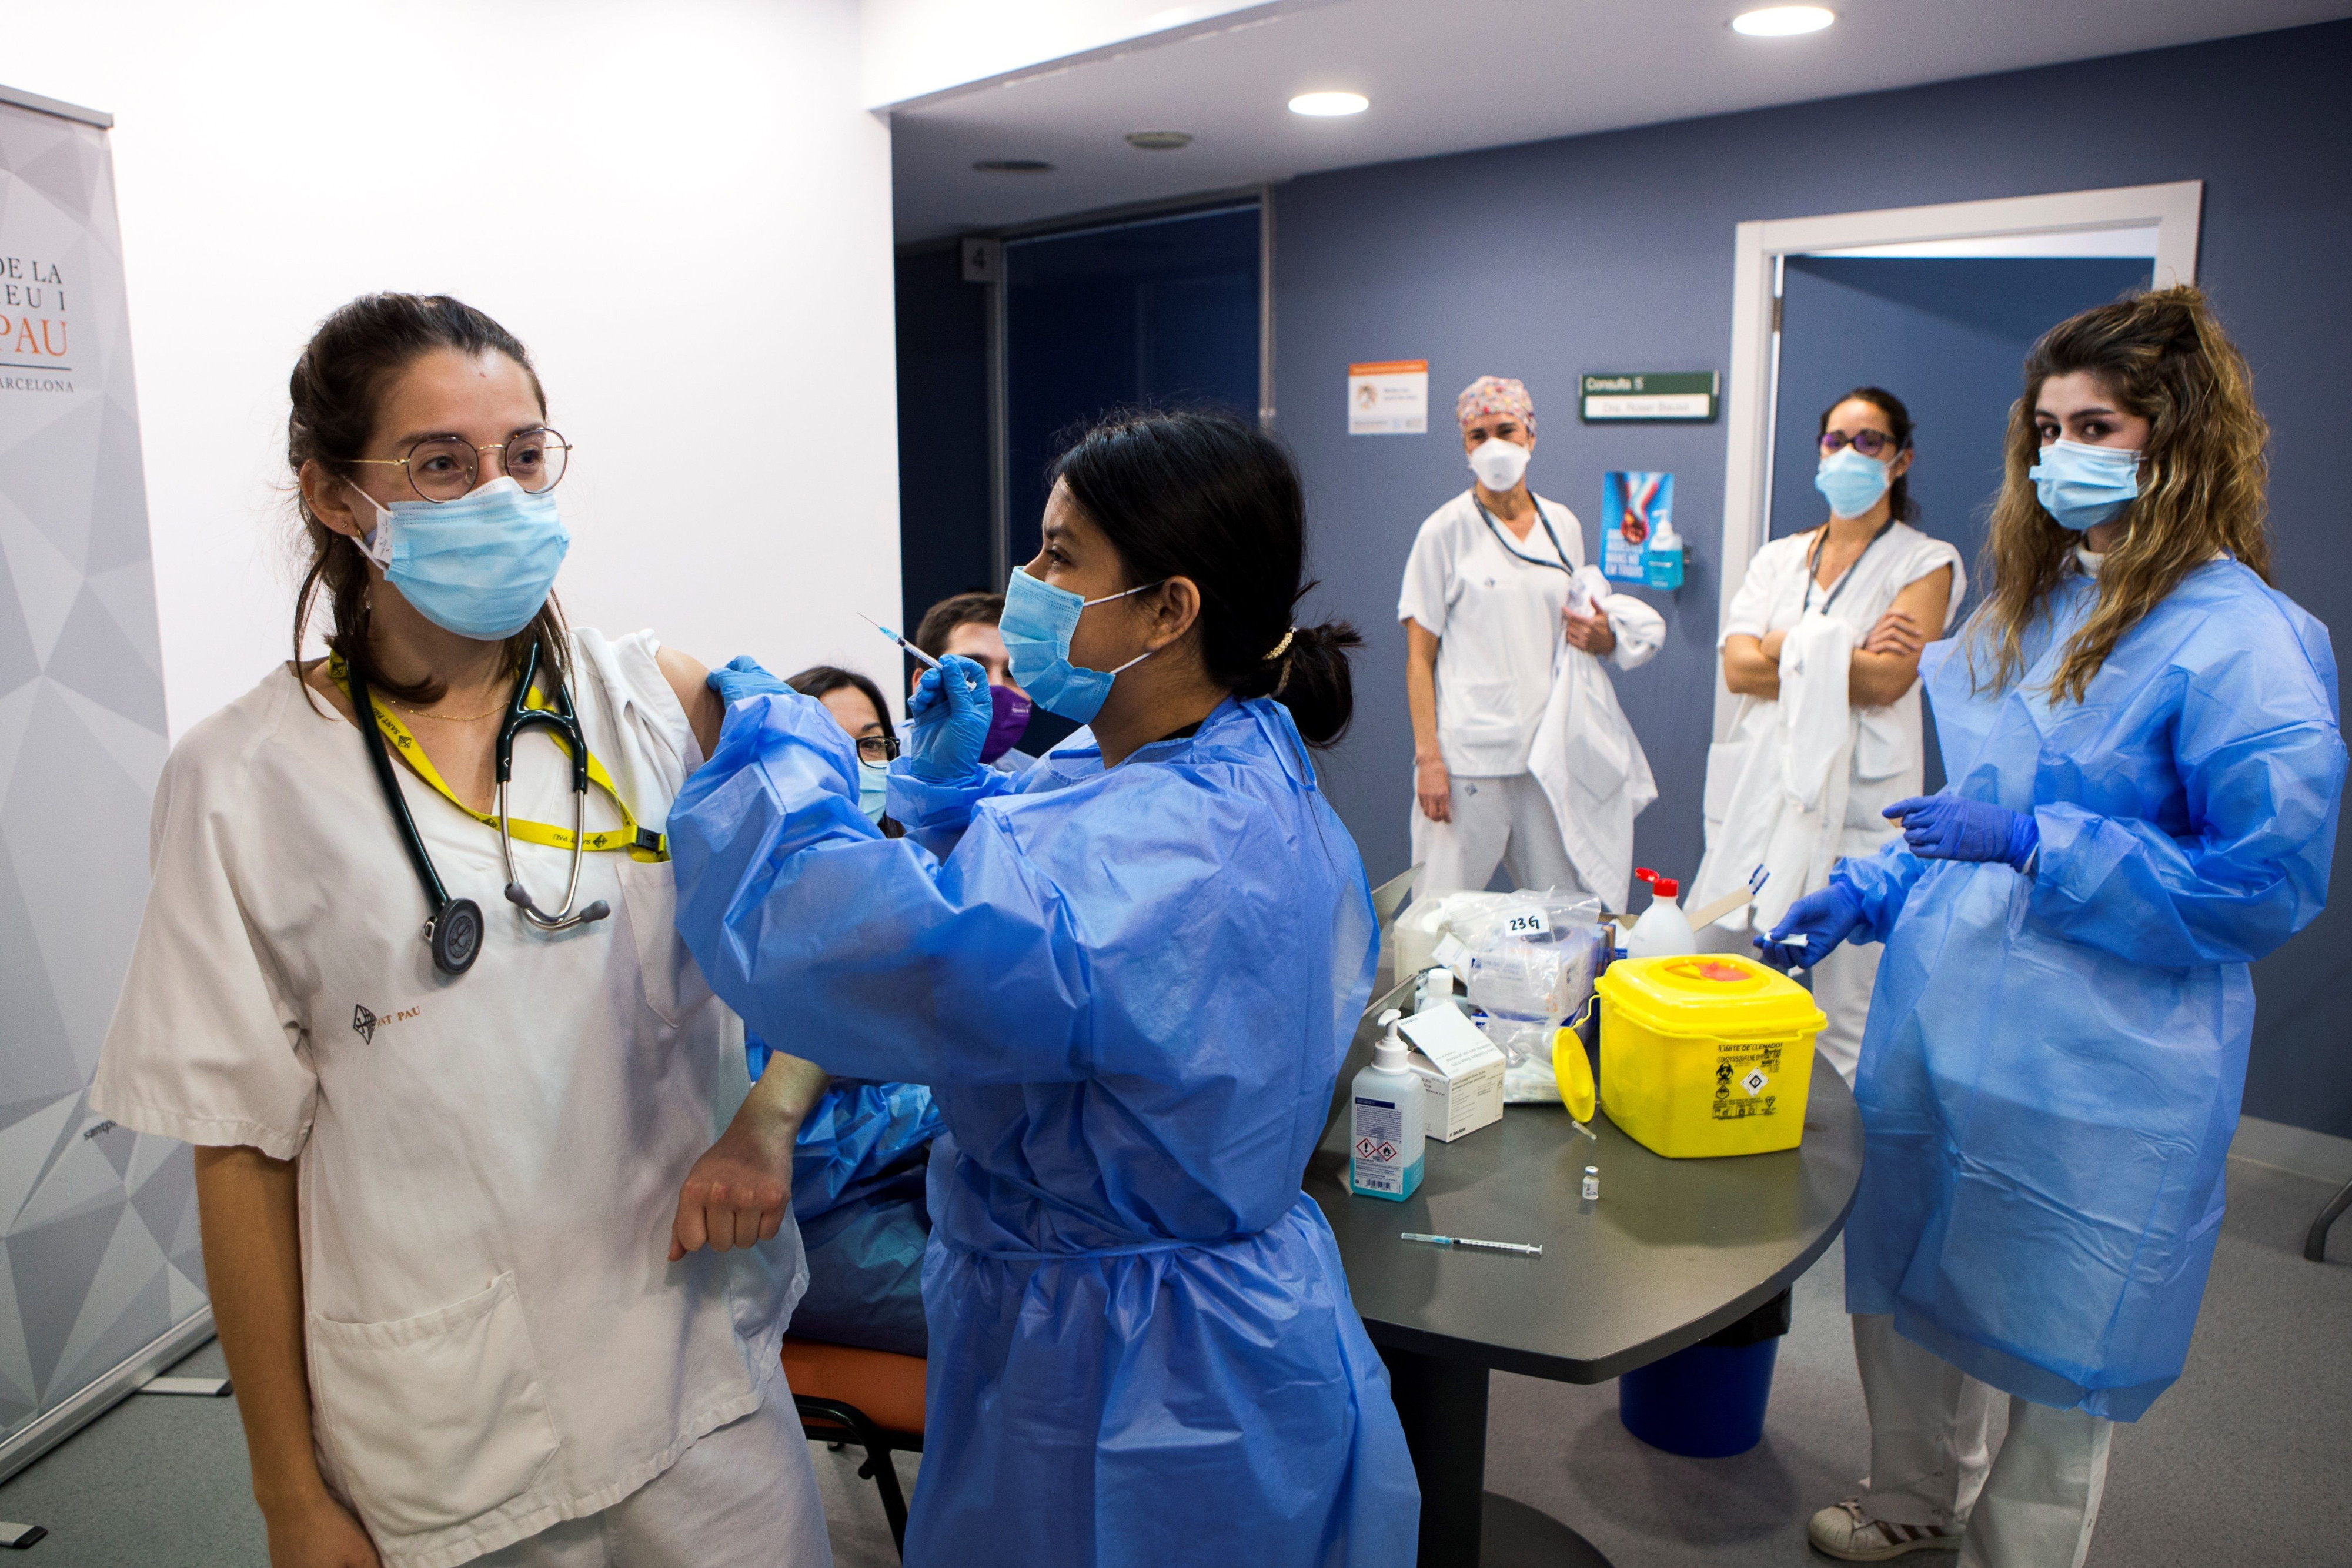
(1486, 604)
(1860, 596)
(501, 1259)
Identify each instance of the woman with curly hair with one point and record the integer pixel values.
(2140, 734)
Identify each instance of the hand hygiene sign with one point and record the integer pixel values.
(1389, 397)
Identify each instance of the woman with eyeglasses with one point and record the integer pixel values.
(855, 704)
(489, 1289)
(1822, 646)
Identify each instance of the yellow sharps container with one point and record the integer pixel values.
(1707, 1054)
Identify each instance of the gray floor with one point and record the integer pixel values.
(2248, 1459)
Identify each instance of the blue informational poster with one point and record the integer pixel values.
(1634, 506)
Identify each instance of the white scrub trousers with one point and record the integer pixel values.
(1505, 821)
(2034, 1506)
(743, 1497)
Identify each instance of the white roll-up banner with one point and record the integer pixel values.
(100, 1275)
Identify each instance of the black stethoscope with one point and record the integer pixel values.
(454, 932)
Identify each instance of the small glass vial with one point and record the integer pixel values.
(1591, 1183)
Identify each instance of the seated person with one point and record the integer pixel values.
(965, 624)
(855, 704)
(859, 1167)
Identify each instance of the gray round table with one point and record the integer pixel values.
(1672, 1251)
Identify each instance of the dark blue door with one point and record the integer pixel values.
(1163, 311)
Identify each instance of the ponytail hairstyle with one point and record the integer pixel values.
(1209, 496)
(2160, 355)
(1900, 505)
(338, 389)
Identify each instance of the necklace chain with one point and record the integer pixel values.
(449, 718)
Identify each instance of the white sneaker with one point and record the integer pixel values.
(1853, 1536)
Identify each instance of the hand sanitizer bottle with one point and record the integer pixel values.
(1385, 1127)
(1662, 560)
(1663, 929)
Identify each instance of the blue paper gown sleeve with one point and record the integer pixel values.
(869, 955)
(2261, 766)
(935, 813)
(1880, 883)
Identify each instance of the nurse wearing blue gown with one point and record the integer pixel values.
(1129, 974)
(2140, 735)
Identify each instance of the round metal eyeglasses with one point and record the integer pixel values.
(1869, 443)
(445, 468)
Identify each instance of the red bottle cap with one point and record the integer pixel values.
(1661, 887)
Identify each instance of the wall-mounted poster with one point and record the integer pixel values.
(1389, 397)
(1634, 506)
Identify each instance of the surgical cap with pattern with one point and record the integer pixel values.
(1495, 395)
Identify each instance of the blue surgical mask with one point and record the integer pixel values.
(479, 566)
(872, 777)
(1851, 482)
(2083, 486)
(1037, 624)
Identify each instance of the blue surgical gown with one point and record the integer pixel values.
(1130, 991)
(2052, 1070)
(865, 1220)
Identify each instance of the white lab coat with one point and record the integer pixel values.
(1585, 754)
(1779, 753)
(1804, 780)
(1513, 698)
(489, 1164)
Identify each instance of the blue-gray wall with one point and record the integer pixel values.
(1614, 252)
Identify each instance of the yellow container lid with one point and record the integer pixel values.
(1720, 995)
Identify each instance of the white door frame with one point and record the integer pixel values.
(2172, 210)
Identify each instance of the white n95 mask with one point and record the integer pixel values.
(1498, 462)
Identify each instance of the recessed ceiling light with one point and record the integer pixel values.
(1783, 21)
(1160, 141)
(1013, 166)
(1324, 104)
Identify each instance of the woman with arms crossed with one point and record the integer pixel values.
(1880, 591)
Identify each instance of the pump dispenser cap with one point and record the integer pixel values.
(1388, 1053)
(1663, 886)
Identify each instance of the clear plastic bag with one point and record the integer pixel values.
(1532, 958)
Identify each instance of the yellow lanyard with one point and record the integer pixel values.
(640, 844)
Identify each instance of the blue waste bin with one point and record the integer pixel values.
(1707, 1402)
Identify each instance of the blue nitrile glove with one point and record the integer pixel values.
(1951, 827)
(950, 714)
(1822, 919)
(742, 677)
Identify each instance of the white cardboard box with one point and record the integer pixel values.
(1461, 1070)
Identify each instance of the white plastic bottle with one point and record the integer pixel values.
(1663, 930)
(1385, 1128)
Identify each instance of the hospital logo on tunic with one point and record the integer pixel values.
(364, 1023)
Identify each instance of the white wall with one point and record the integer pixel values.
(681, 207)
(914, 48)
